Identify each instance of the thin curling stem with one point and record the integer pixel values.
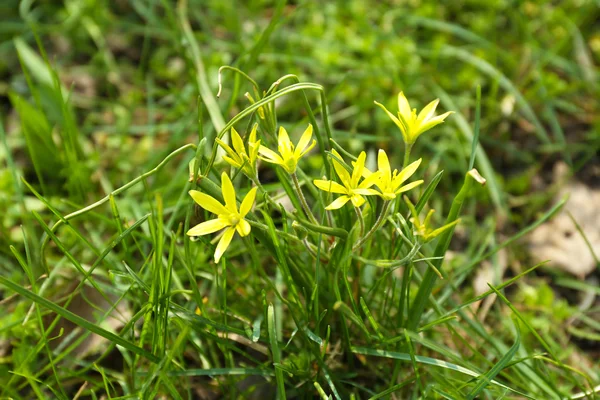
(376, 226)
(303, 202)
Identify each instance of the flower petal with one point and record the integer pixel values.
(358, 168)
(207, 202)
(224, 243)
(303, 142)
(357, 200)
(433, 122)
(330, 186)
(403, 105)
(309, 148)
(232, 162)
(365, 192)
(238, 143)
(338, 203)
(225, 147)
(369, 180)
(269, 155)
(383, 164)
(207, 227)
(427, 112)
(228, 193)
(406, 172)
(243, 228)
(339, 168)
(248, 202)
(284, 144)
(411, 185)
(393, 118)
(252, 137)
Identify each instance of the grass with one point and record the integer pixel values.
(109, 117)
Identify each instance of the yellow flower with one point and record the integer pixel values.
(288, 153)
(411, 124)
(424, 229)
(390, 183)
(261, 112)
(228, 215)
(350, 188)
(238, 157)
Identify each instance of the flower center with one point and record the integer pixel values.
(233, 218)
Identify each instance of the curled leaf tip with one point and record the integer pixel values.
(477, 176)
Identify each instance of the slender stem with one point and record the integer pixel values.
(264, 192)
(307, 211)
(377, 225)
(360, 220)
(407, 150)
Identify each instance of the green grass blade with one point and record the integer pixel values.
(77, 320)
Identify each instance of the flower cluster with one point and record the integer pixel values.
(352, 182)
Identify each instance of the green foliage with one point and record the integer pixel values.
(110, 117)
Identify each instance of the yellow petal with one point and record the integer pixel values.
(238, 143)
(383, 164)
(357, 200)
(252, 137)
(243, 228)
(358, 168)
(406, 172)
(330, 186)
(207, 202)
(339, 168)
(403, 105)
(224, 243)
(225, 147)
(303, 142)
(365, 192)
(433, 122)
(370, 180)
(269, 155)
(284, 144)
(309, 148)
(232, 162)
(411, 185)
(427, 112)
(207, 227)
(338, 203)
(228, 193)
(398, 122)
(247, 203)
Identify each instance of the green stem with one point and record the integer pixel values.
(426, 287)
(307, 211)
(407, 150)
(264, 192)
(360, 220)
(376, 226)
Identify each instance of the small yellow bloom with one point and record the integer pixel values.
(412, 125)
(238, 157)
(350, 188)
(228, 215)
(261, 112)
(424, 229)
(288, 153)
(390, 183)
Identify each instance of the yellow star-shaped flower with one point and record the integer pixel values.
(350, 189)
(412, 125)
(288, 153)
(390, 183)
(228, 215)
(238, 157)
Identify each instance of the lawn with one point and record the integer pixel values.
(205, 199)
